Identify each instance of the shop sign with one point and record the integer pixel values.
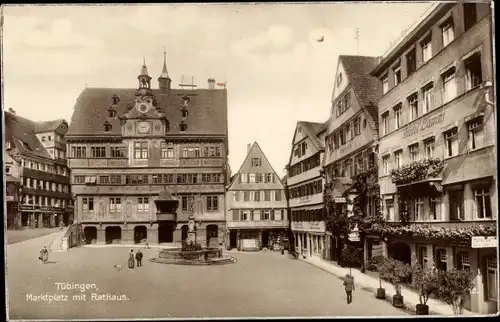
(423, 124)
(27, 207)
(354, 235)
(340, 200)
(9, 198)
(484, 242)
(304, 199)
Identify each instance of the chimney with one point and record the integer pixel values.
(248, 147)
(211, 83)
(11, 110)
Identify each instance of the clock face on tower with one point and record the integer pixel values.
(143, 127)
(143, 108)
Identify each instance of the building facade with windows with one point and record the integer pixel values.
(45, 198)
(437, 143)
(352, 136)
(305, 188)
(126, 145)
(256, 214)
(12, 175)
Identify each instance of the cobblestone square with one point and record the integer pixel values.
(258, 285)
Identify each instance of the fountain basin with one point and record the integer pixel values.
(206, 256)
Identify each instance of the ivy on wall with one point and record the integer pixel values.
(417, 171)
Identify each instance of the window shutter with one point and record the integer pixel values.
(235, 215)
(237, 196)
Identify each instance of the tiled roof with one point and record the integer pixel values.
(47, 126)
(323, 127)
(207, 111)
(246, 167)
(312, 129)
(20, 132)
(366, 87)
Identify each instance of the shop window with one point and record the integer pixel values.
(476, 133)
(463, 261)
(491, 278)
(447, 32)
(449, 85)
(482, 203)
(470, 15)
(451, 141)
(473, 70)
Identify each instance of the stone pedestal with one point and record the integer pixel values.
(191, 238)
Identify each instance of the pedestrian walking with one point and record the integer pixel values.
(349, 287)
(44, 255)
(131, 260)
(138, 257)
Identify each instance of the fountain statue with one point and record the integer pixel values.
(191, 253)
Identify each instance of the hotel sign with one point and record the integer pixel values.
(317, 226)
(484, 242)
(423, 124)
(304, 199)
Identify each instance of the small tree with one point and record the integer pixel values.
(424, 280)
(394, 272)
(453, 286)
(351, 257)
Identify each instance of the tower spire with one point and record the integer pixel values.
(164, 80)
(164, 72)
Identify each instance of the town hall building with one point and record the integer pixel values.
(126, 145)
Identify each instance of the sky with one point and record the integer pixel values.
(277, 73)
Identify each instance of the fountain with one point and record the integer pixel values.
(191, 252)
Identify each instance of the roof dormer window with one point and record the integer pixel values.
(115, 99)
(182, 126)
(107, 127)
(185, 112)
(111, 112)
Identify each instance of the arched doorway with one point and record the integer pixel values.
(402, 252)
(184, 232)
(113, 235)
(212, 236)
(165, 233)
(90, 234)
(140, 234)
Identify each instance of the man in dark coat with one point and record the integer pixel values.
(349, 287)
(138, 257)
